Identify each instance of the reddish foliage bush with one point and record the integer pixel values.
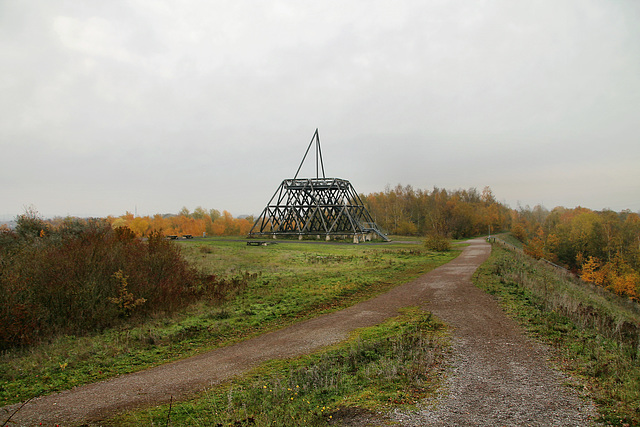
(61, 281)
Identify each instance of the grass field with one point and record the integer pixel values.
(268, 287)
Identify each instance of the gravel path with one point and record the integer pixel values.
(498, 377)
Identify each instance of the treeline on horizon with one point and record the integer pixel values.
(458, 214)
(603, 247)
(201, 221)
(399, 211)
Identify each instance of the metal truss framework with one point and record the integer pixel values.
(328, 207)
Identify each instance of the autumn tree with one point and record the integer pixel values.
(30, 225)
(199, 213)
(604, 247)
(460, 213)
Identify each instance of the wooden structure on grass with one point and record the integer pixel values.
(317, 208)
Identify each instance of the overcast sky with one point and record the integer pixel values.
(149, 105)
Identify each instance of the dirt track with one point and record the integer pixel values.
(498, 377)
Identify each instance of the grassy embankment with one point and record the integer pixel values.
(595, 334)
(278, 285)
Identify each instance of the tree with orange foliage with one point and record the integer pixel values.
(627, 284)
(592, 271)
(519, 231)
(535, 247)
(604, 246)
(615, 275)
(244, 226)
(139, 225)
(197, 223)
(459, 213)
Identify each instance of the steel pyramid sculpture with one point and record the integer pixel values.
(318, 207)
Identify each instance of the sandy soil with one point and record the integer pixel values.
(497, 378)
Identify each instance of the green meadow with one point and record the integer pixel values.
(259, 288)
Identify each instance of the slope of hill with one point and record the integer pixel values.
(595, 334)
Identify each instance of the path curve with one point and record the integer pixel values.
(481, 330)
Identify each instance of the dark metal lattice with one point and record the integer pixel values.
(328, 207)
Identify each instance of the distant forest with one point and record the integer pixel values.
(457, 214)
(209, 222)
(399, 211)
(603, 247)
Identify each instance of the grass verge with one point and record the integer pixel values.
(283, 283)
(393, 364)
(595, 334)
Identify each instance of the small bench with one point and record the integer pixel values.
(187, 236)
(257, 243)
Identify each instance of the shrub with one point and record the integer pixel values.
(85, 276)
(437, 242)
(30, 225)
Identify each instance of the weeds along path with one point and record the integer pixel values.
(498, 377)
